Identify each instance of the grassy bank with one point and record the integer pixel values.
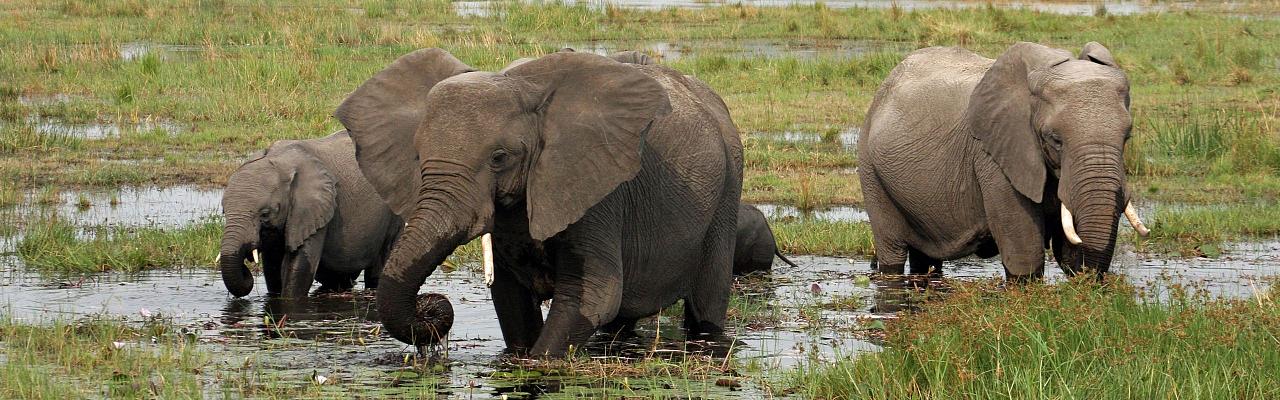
(57, 246)
(1070, 340)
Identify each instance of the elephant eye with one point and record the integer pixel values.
(499, 158)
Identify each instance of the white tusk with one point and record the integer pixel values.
(257, 258)
(486, 244)
(217, 258)
(1132, 215)
(1069, 226)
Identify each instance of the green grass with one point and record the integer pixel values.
(833, 238)
(57, 246)
(1072, 340)
(252, 72)
(97, 358)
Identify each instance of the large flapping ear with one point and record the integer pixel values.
(313, 195)
(594, 113)
(999, 114)
(382, 116)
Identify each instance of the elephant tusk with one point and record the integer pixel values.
(1069, 226)
(257, 258)
(486, 244)
(1132, 215)
(217, 258)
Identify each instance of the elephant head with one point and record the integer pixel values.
(448, 148)
(1057, 126)
(272, 205)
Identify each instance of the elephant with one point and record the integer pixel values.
(609, 188)
(303, 211)
(755, 247)
(961, 154)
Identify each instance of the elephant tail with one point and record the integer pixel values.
(784, 258)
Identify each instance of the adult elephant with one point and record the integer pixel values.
(962, 154)
(303, 211)
(755, 247)
(610, 188)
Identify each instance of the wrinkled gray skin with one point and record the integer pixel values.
(755, 248)
(609, 188)
(964, 155)
(304, 205)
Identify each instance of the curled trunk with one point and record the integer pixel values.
(239, 237)
(429, 237)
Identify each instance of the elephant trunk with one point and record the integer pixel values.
(239, 240)
(1096, 202)
(435, 229)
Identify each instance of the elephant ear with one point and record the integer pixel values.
(1096, 52)
(999, 114)
(313, 195)
(382, 116)
(594, 114)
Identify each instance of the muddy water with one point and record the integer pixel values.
(744, 48)
(778, 323)
(486, 8)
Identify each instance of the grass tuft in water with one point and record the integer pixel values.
(1070, 340)
(56, 246)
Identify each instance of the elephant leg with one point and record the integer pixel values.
(518, 313)
(620, 328)
(300, 266)
(707, 304)
(588, 288)
(335, 282)
(922, 264)
(888, 226)
(271, 270)
(1016, 223)
(371, 275)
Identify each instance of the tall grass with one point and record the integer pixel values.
(20, 137)
(57, 246)
(835, 238)
(1072, 340)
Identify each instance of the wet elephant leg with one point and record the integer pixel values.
(1016, 223)
(588, 288)
(922, 264)
(519, 315)
(371, 276)
(300, 266)
(707, 304)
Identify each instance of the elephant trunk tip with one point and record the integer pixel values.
(434, 319)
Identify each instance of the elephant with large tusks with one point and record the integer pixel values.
(962, 154)
(302, 210)
(610, 188)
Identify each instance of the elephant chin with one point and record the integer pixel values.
(436, 314)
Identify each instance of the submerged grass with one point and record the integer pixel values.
(57, 246)
(1070, 340)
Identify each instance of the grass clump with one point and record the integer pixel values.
(57, 246)
(97, 358)
(20, 138)
(821, 237)
(1071, 340)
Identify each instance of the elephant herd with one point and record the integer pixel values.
(611, 186)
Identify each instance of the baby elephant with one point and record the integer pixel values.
(304, 212)
(755, 247)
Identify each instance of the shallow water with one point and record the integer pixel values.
(485, 8)
(96, 130)
(847, 138)
(834, 213)
(134, 51)
(743, 48)
(172, 206)
(338, 336)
